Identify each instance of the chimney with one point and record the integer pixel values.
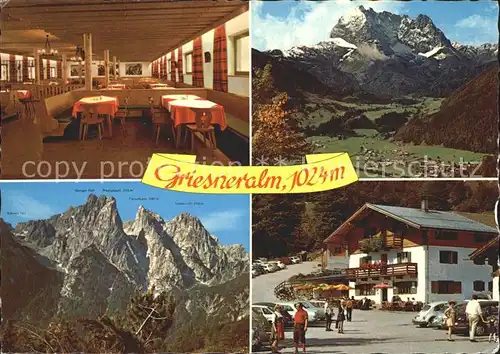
(424, 206)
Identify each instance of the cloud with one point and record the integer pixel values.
(223, 220)
(27, 207)
(476, 29)
(306, 23)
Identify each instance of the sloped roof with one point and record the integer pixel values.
(435, 219)
(419, 219)
(493, 243)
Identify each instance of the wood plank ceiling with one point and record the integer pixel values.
(133, 30)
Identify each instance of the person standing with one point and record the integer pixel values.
(450, 314)
(473, 311)
(492, 329)
(348, 307)
(300, 322)
(329, 316)
(341, 318)
(278, 328)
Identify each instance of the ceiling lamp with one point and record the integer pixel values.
(47, 49)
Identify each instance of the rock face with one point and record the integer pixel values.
(102, 260)
(390, 55)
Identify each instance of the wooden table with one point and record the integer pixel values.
(102, 105)
(165, 99)
(184, 112)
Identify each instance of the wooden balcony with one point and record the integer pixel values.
(393, 241)
(389, 270)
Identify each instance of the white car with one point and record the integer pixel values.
(295, 259)
(425, 317)
(312, 314)
(265, 311)
(320, 310)
(270, 268)
(279, 264)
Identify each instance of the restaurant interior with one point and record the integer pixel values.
(110, 82)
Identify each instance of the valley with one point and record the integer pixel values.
(395, 93)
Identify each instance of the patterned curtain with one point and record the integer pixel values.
(48, 69)
(12, 69)
(164, 67)
(172, 67)
(180, 67)
(25, 69)
(220, 59)
(198, 78)
(59, 69)
(160, 74)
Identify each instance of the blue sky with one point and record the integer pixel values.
(225, 216)
(283, 24)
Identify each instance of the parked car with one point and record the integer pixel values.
(279, 264)
(260, 332)
(264, 311)
(429, 312)
(482, 296)
(320, 310)
(438, 322)
(286, 260)
(295, 259)
(488, 307)
(287, 316)
(258, 268)
(290, 308)
(270, 267)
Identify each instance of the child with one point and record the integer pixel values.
(492, 329)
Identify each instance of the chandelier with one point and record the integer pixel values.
(47, 49)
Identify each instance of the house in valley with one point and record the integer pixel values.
(412, 252)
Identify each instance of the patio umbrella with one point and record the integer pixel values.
(342, 287)
(382, 286)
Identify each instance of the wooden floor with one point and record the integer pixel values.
(123, 156)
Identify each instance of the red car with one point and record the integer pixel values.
(286, 260)
(489, 308)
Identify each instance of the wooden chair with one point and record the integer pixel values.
(122, 114)
(204, 126)
(89, 117)
(159, 118)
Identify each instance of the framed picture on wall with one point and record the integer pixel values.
(134, 69)
(117, 70)
(208, 57)
(100, 70)
(74, 70)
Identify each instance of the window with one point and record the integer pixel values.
(446, 235)
(365, 260)
(482, 238)
(478, 285)
(5, 72)
(369, 232)
(365, 289)
(53, 73)
(490, 286)
(266, 311)
(31, 69)
(404, 257)
(446, 287)
(242, 54)
(188, 59)
(448, 257)
(405, 287)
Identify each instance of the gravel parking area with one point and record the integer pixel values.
(370, 331)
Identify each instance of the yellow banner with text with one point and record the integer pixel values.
(180, 173)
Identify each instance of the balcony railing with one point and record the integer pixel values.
(393, 241)
(389, 270)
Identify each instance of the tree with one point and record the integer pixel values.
(277, 133)
(150, 316)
